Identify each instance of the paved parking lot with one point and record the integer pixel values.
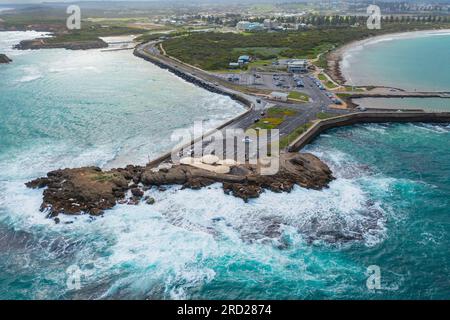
(266, 81)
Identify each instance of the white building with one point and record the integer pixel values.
(249, 26)
(297, 66)
(279, 96)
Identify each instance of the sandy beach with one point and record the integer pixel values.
(337, 59)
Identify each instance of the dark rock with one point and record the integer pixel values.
(197, 183)
(150, 201)
(243, 191)
(73, 191)
(138, 193)
(240, 171)
(38, 183)
(51, 43)
(90, 190)
(133, 201)
(4, 59)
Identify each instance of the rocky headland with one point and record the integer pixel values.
(92, 191)
(50, 43)
(4, 59)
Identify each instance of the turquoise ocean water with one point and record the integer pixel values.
(414, 62)
(388, 206)
(419, 62)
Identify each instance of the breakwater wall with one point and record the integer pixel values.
(139, 52)
(191, 78)
(365, 117)
(167, 156)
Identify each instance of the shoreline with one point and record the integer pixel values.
(336, 58)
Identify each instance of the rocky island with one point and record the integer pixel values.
(4, 59)
(91, 190)
(50, 43)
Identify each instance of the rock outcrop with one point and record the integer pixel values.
(4, 59)
(43, 43)
(91, 190)
(72, 191)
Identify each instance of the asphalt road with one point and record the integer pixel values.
(305, 112)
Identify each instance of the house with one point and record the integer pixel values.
(249, 26)
(279, 96)
(297, 66)
(244, 59)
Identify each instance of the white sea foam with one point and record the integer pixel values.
(31, 74)
(10, 38)
(378, 128)
(173, 241)
(439, 129)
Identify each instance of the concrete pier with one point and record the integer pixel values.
(365, 117)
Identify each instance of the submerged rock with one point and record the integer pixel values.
(90, 190)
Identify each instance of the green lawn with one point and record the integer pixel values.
(343, 95)
(268, 123)
(355, 89)
(324, 115)
(274, 117)
(288, 139)
(298, 96)
(279, 111)
(322, 77)
(329, 84)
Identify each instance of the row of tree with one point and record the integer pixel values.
(335, 20)
(338, 20)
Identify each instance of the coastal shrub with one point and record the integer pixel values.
(215, 50)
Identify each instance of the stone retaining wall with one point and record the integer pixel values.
(365, 117)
